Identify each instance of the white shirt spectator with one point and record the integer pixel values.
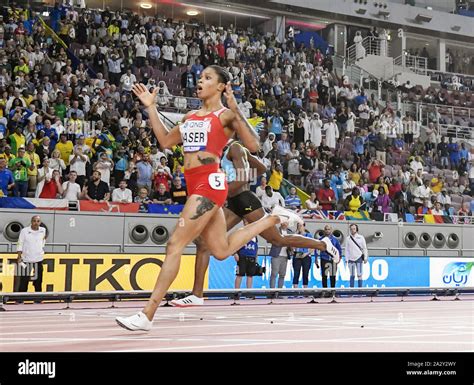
(416, 165)
(443, 199)
(348, 184)
(231, 51)
(421, 193)
(180, 102)
(119, 195)
(72, 191)
(141, 50)
(127, 81)
(79, 165)
(271, 202)
(167, 52)
(31, 244)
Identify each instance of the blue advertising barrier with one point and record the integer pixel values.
(377, 272)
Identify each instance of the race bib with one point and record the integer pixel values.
(194, 134)
(217, 180)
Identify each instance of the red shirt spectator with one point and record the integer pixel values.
(375, 170)
(52, 187)
(326, 197)
(221, 50)
(162, 177)
(313, 96)
(393, 189)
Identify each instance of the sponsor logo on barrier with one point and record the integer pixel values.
(100, 272)
(457, 273)
(378, 272)
(451, 272)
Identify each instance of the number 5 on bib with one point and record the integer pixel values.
(217, 180)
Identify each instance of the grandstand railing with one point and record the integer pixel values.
(372, 45)
(458, 132)
(442, 76)
(416, 64)
(454, 111)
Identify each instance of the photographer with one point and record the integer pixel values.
(246, 259)
(356, 254)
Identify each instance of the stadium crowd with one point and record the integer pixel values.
(70, 127)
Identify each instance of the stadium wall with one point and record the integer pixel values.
(116, 251)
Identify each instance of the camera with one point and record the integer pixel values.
(259, 270)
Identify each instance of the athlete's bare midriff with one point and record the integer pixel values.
(199, 158)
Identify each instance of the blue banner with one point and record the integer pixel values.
(156, 208)
(377, 272)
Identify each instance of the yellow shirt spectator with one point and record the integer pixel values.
(436, 185)
(113, 29)
(65, 148)
(275, 180)
(385, 187)
(35, 160)
(259, 104)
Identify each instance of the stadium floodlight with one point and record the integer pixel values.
(145, 5)
(192, 13)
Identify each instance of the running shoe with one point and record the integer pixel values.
(331, 250)
(190, 300)
(287, 216)
(136, 322)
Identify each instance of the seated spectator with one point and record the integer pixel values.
(403, 194)
(271, 199)
(422, 193)
(122, 194)
(401, 207)
(260, 191)
(438, 209)
(292, 201)
(382, 201)
(178, 192)
(71, 189)
(312, 203)
(143, 199)
(381, 183)
(162, 196)
(444, 198)
(96, 190)
(424, 209)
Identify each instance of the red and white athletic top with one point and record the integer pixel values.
(204, 133)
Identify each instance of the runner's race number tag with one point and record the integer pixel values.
(217, 180)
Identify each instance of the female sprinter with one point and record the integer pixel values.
(204, 133)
